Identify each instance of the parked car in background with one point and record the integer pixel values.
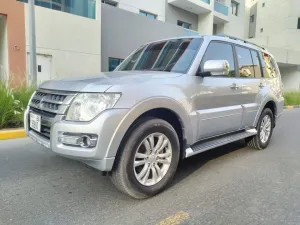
(169, 100)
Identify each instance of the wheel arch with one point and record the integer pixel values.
(270, 103)
(161, 107)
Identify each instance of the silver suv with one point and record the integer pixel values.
(169, 100)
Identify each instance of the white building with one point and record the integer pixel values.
(90, 36)
(275, 24)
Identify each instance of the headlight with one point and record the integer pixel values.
(86, 107)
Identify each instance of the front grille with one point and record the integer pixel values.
(48, 104)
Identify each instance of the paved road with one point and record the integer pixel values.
(229, 185)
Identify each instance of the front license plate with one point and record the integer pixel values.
(35, 122)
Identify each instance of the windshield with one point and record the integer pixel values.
(174, 55)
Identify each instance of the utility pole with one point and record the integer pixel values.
(32, 43)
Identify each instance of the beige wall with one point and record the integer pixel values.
(74, 42)
(236, 25)
(279, 22)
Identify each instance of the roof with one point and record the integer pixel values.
(221, 37)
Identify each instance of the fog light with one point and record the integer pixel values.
(85, 141)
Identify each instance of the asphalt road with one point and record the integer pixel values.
(229, 185)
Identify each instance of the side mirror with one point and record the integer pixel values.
(216, 67)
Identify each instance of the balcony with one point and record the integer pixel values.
(220, 13)
(220, 8)
(193, 6)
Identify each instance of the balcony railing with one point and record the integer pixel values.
(221, 8)
(206, 1)
(78, 7)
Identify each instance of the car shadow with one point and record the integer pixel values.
(188, 166)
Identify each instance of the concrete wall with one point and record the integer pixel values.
(72, 41)
(280, 29)
(3, 49)
(156, 7)
(252, 25)
(205, 23)
(236, 25)
(269, 19)
(291, 78)
(173, 14)
(123, 32)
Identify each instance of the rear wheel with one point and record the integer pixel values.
(264, 131)
(148, 159)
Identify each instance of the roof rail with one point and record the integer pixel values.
(239, 39)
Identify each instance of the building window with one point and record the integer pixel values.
(252, 19)
(146, 14)
(184, 24)
(85, 8)
(263, 5)
(115, 4)
(235, 8)
(113, 63)
(261, 30)
(298, 24)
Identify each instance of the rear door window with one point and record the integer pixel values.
(246, 68)
(256, 64)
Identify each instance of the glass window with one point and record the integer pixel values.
(252, 19)
(256, 64)
(245, 62)
(220, 51)
(56, 7)
(110, 3)
(184, 24)
(113, 63)
(234, 8)
(149, 15)
(268, 65)
(85, 8)
(298, 27)
(175, 55)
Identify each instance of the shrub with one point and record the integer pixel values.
(292, 98)
(13, 102)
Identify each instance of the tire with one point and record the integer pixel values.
(129, 178)
(257, 142)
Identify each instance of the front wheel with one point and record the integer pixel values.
(265, 127)
(148, 158)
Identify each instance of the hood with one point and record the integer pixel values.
(103, 81)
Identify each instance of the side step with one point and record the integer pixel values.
(205, 145)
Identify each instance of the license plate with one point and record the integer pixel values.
(35, 122)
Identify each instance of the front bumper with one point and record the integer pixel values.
(104, 126)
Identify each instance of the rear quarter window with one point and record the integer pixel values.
(269, 66)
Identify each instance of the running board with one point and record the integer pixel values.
(205, 145)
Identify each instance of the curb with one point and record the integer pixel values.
(12, 134)
(292, 107)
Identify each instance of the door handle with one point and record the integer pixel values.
(234, 86)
